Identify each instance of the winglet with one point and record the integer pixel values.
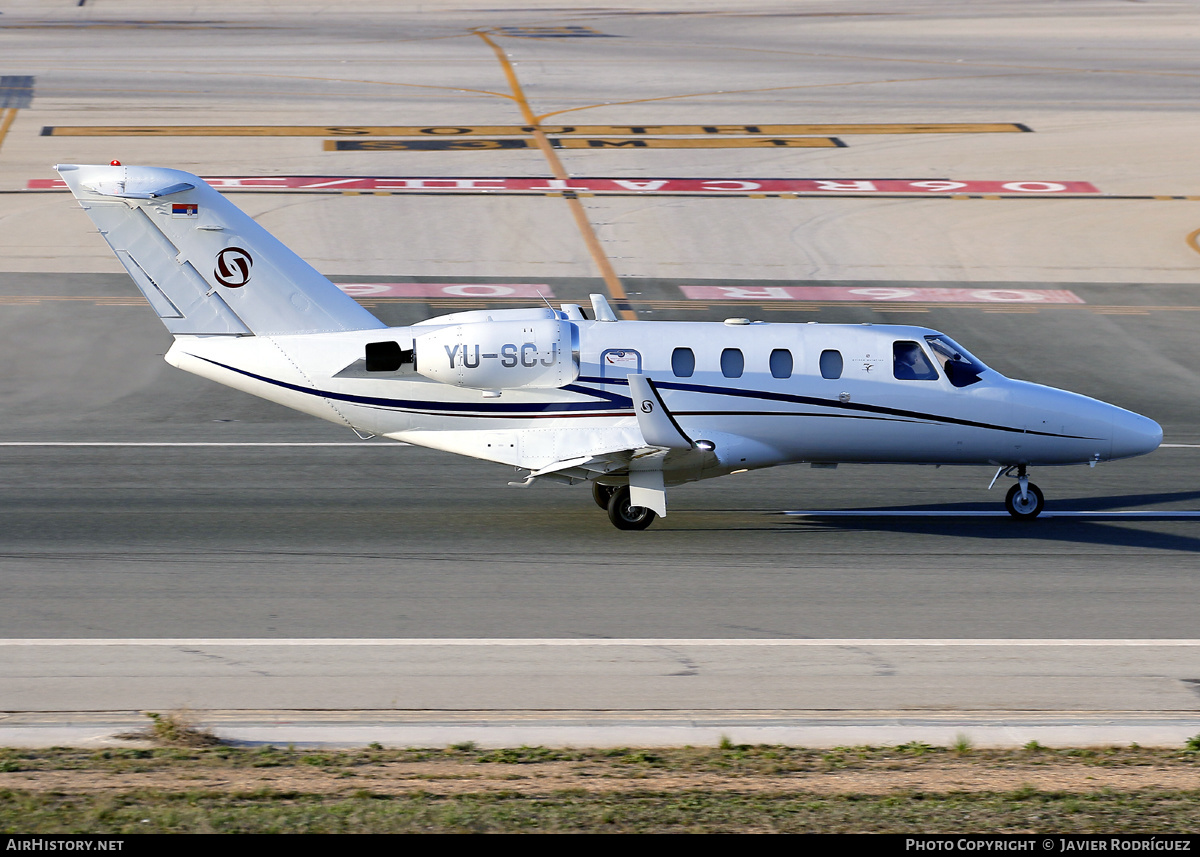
(658, 426)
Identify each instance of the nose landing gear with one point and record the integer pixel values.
(1024, 500)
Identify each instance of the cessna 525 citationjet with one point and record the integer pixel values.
(631, 406)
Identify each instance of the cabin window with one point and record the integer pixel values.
(732, 363)
(683, 362)
(831, 364)
(781, 363)
(909, 363)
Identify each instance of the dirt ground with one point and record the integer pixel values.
(452, 776)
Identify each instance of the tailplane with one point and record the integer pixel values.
(203, 264)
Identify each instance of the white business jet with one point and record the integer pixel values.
(631, 406)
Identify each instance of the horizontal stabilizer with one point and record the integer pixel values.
(203, 264)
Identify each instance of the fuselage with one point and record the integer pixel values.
(762, 394)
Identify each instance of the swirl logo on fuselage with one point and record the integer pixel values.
(233, 267)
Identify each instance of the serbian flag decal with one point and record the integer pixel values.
(184, 209)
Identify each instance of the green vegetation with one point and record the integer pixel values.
(464, 788)
(570, 810)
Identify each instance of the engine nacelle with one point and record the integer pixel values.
(499, 355)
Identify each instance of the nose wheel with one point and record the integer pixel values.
(1024, 500)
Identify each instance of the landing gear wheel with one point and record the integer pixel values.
(625, 516)
(1027, 509)
(603, 493)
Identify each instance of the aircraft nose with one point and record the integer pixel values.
(1134, 434)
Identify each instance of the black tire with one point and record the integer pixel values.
(627, 517)
(603, 493)
(1028, 510)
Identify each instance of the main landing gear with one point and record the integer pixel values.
(1024, 500)
(615, 500)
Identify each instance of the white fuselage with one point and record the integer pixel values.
(753, 418)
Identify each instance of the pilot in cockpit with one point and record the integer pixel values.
(909, 363)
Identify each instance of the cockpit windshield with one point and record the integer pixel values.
(961, 367)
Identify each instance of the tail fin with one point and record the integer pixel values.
(203, 264)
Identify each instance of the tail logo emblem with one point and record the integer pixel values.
(233, 267)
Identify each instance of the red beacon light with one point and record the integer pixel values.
(114, 163)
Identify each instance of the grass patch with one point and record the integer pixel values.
(730, 788)
(621, 812)
(176, 729)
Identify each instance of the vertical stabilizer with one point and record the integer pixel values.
(203, 264)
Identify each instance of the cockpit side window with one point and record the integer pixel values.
(909, 363)
(961, 368)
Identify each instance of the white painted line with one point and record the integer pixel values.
(1179, 446)
(382, 444)
(867, 513)
(506, 642)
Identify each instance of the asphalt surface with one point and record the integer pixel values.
(147, 539)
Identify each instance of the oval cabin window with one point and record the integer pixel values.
(781, 363)
(683, 362)
(831, 365)
(732, 363)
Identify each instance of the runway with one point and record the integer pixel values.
(166, 544)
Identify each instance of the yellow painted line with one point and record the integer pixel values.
(9, 114)
(1192, 239)
(615, 288)
(444, 131)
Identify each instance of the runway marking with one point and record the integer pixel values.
(7, 116)
(984, 514)
(1179, 446)
(443, 131)
(585, 143)
(616, 289)
(1191, 239)
(713, 186)
(535, 291)
(564, 32)
(16, 91)
(883, 295)
(398, 294)
(641, 642)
